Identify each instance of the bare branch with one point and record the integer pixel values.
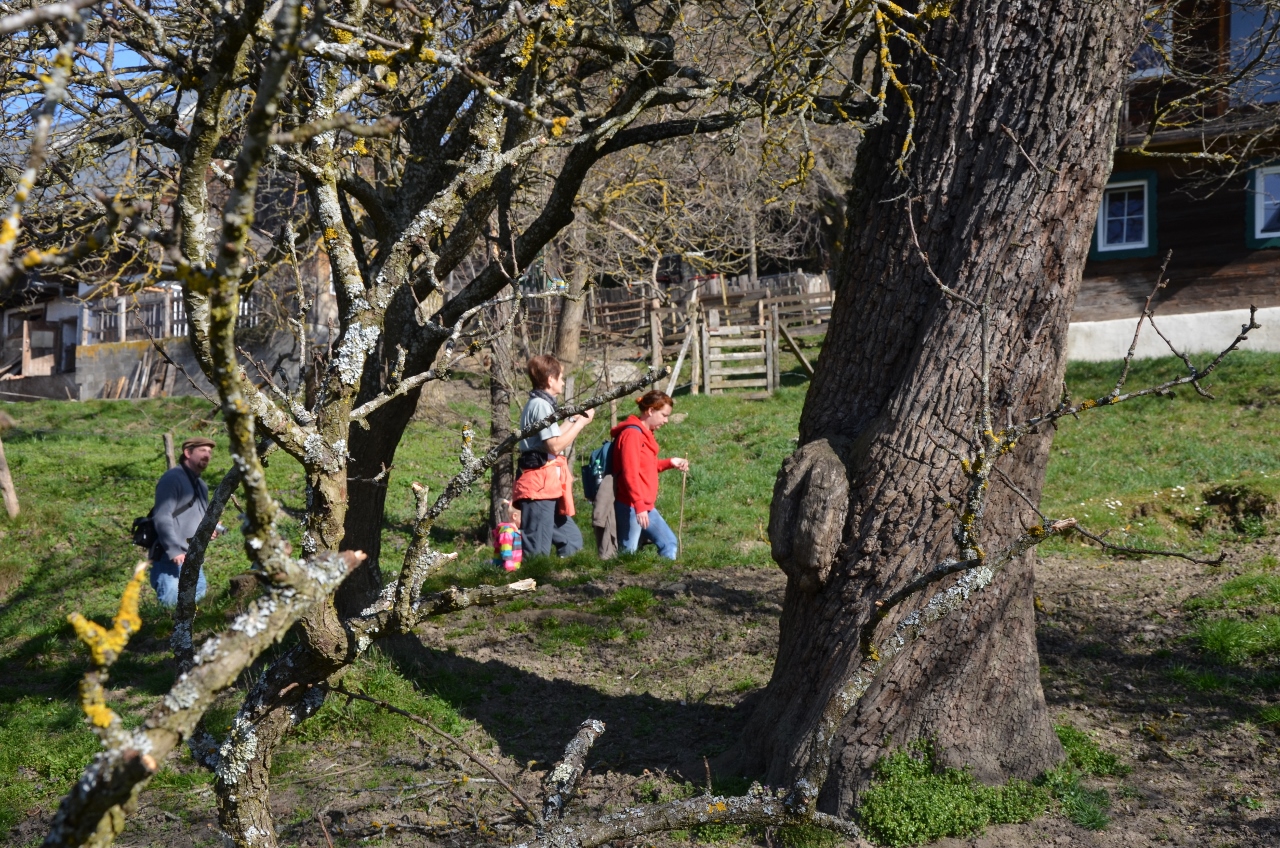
(562, 781)
(454, 741)
(70, 10)
(1111, 546)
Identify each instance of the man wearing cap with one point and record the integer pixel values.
(181, 500)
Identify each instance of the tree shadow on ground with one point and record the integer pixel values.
(533, 718)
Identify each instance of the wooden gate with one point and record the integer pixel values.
(739, 357)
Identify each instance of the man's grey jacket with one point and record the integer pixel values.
(181, 500)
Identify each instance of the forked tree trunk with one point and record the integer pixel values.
(861, 506)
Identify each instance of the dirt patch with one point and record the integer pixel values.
(671, 665)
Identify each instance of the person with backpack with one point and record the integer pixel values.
(635, 465)
(181, 500)
(543, 491)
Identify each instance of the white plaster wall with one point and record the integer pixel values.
(62, 310)
(1197, 332)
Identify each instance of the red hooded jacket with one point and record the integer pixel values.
(636, 465)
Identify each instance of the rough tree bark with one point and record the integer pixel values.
(501, 380)
(572, 308)
(1014, 127)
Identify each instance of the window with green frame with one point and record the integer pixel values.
(1262, 208)
(1126, 227)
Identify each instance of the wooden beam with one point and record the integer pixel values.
(795, 348)
(6, 486)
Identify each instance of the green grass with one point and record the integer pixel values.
(376, 676)
(553, 634)
(1085, 807)
(629, 600)
(1244, 592)
(1147, 470)
(1239, 621)
(1084, 754)
(912, 800)
(806, 836)
(84, 470)
(1235, 640)
(1270, 715)
(1201, 680)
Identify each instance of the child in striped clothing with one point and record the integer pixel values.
(506, 540)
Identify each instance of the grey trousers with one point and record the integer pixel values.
(603, 521)
(541, 529)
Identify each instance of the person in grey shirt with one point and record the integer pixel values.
(181, 501)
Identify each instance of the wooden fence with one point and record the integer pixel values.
(736, 339)
(740, 357)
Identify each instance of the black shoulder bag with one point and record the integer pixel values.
(144, 528)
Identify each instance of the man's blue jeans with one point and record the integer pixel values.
(630, 532)
(164, 579)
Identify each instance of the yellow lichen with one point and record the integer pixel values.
(360, 147)
(391, 80)
(342, 36)
(558, 125)
(378, 57)
(526, 50)
(717, 807)
(104, 645)
(330, 234)
(932, 11)
(99, 714)
(1088, 404)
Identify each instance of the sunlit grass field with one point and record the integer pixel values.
(1146, 472)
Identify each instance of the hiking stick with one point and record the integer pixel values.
(684, 478)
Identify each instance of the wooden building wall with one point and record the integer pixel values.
(1212, 268)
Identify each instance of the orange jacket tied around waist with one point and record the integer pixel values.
(550, 482)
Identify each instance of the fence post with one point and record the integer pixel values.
(166, 323)
(122, 332)
(6, 486)
(86, 314)
(706, 356)
(26, 347)
(695, 362)
(655, 333)
(168, 450)
(770, 357)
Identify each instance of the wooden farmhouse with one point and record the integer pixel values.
(1179, 195)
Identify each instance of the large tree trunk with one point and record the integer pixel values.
(860, 508)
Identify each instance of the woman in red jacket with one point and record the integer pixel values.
(635, 476)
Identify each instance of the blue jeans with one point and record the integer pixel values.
(630, 532)
(164, 579)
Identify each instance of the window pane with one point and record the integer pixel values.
(1115, 204)
(1133, 233)
(1271, 219)
(1135, 203)
(1270, 188)
(1115, 231)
